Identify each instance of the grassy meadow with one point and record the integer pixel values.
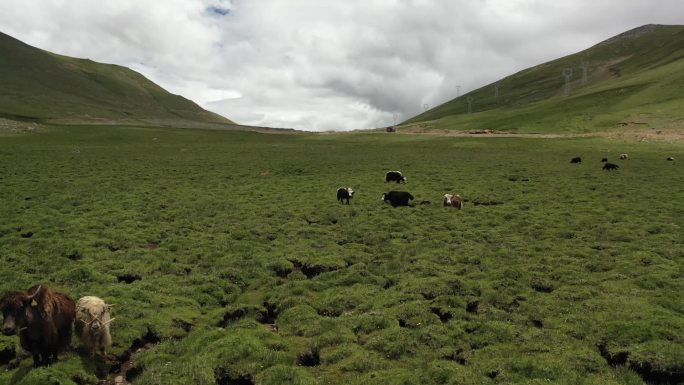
(244, 269)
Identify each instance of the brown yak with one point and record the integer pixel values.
(43, 320)
(453, 200)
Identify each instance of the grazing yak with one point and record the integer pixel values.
(453, 200)
(604, 160)
(670, 158)
(397, 198)
(394, 176)
(43, 320)
(344, 194)
(624, 156)
(576, 159)
(610, 166)
(92, 325)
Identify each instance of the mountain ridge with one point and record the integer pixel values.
(632, 75)
(38, 85)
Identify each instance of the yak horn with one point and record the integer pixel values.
(107, 323)
(35, 292)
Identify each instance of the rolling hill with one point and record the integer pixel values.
(633, 79)
(40, 86)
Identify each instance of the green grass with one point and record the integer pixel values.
(223, 228)
(634, 78)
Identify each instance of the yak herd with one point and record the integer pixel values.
(402, 198)
(43, 319)
(607, 166)
(399, 198)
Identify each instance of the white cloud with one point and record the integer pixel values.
(320, 65)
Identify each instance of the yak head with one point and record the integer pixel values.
(94, 317)
(19, 309)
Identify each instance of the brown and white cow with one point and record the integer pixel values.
(453, 200)
(43, 320)
(92, 324)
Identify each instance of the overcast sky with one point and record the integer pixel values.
(325, 65)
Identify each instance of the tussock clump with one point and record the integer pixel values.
(542, 286)
(460, 356)
(268, 314)
(311, 358)
(74, 255)
(443, 315)
(225, 376)
(133, 372)
(311, 270)
(472, 306)
(147, 339)
(182, 324)
(281, 268)
(232, 316)
(537, 323)
(652, 368)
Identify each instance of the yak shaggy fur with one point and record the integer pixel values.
(43, 320)
(92, 324)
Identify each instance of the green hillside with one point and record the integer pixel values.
(41, 86)
(635, 78)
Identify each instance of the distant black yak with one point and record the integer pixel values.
(576, 159)
(610, 166)
(397, 198)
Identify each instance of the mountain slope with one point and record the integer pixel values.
(634, 78)
(42, 86)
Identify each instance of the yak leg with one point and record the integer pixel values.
(36, 359)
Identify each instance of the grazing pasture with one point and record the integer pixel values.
(230, 261)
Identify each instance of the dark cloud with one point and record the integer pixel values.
(321, 65)
(218, 10)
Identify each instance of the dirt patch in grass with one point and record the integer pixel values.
(629, 131)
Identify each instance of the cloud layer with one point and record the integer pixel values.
(320, 65)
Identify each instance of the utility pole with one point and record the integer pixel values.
(585, 66)
(567, 73)
(458, 91)
(470, 104)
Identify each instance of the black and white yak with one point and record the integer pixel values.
(344, 194)
(394, 176)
